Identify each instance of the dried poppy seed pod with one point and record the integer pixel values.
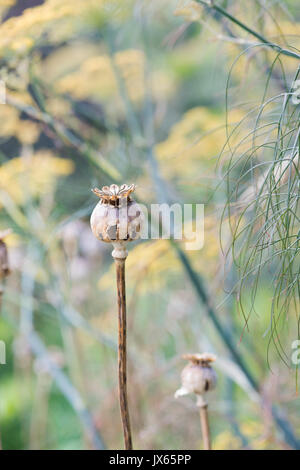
(198, 376)
(4, 266)
(117, 218)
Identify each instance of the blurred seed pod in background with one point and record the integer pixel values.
(4, 266)
(197, 376)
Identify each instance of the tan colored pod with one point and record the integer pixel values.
(116, 217)
(4, 265)
(198, 376)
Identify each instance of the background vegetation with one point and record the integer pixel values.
(192, 102)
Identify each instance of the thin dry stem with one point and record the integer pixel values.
(122, 355)
(205, 426)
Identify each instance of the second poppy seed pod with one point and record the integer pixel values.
(4, 265)
(198, 376)
(117, 217)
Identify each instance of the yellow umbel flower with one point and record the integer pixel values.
(11, 125)
(31, 176)
(18, 33)
(96, 76)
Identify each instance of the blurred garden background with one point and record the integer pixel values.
(194, 102)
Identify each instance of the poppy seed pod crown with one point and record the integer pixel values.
(117, 218)
(198, 376)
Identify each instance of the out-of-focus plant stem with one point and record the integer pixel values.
(94, 157)
(242, 25)
(67, 389)
(40, 351)
(38, 429)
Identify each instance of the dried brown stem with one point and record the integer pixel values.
(122, 355)
(205, 426)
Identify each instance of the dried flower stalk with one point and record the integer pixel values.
(122, 352)
(4, 265)
(203, 411)
(117, 219)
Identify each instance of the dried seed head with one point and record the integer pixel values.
(117, 217)
(114, 193)
(4, 266)
(204, 359)
(198, 376)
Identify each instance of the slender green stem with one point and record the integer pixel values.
(68, 137)
(242, 25)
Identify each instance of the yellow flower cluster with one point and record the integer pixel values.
(252, 430)
(148, 262)
(27, 132)
(7, 3)
(195, 142)
(9, 118)
(226, 440)
(287, 34)
(283, 32)
(18, 33)
(4, 5)
(98, 77)
(152, 261)
(11, 125)
(31, 176)
(190, 142)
